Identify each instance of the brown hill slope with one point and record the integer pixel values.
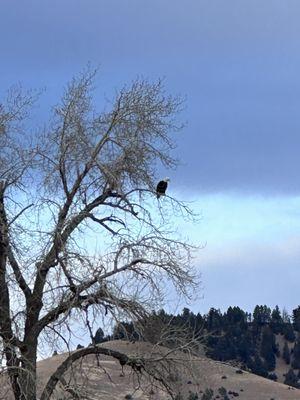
(106, 381)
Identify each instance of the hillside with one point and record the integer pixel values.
(265, 342)
(107, 382)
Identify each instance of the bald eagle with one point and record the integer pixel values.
(162, 187)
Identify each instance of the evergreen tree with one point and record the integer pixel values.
(288, 332)
(276, 322)
(296, 319)
(214, 321)
(291, 379)
(162, 315)
(261, 315)
(126, 331)
(286, 355)
(224, 349)
(99, 335)
(199, 323)
(153, 327)
(245, 347)
(257, 366)
(186, 315)
(268, 348)
(296, 354)
(235, 316)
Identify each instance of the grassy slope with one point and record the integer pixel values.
(105, 383)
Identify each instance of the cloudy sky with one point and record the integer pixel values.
(237, 63)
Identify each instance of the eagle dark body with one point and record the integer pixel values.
(161, 188)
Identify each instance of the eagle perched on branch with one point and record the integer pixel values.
(162, 187)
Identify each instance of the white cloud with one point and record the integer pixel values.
(252, 254)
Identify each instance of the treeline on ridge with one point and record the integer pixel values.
(251, 339)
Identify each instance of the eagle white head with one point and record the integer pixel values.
(166, 180)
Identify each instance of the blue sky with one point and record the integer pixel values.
(237, 63)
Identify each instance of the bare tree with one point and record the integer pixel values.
(81, 232)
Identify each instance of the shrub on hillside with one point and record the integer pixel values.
(291, 379)
(272, 376)
(208, 394)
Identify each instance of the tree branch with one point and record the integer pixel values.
(56, 376)
(18, 274)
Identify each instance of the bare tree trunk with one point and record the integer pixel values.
(6, 332)
(13, 364)
(27, 375)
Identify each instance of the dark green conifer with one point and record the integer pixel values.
(99, 335)
(288, 332)
(291, 379)
(261, 315)
(296, 354)
(286, 354)
(276, 322)
(296, 319)
(257, 366)
(268, 348)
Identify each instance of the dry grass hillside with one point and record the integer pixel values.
(108, 382)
